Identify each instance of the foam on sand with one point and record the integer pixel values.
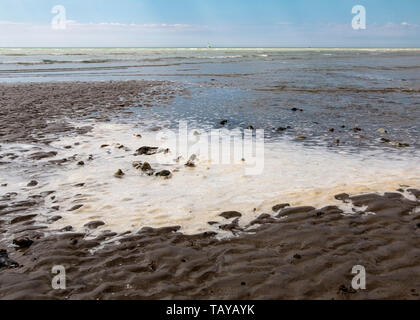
(292, 174)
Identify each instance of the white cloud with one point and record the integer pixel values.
(115, 34)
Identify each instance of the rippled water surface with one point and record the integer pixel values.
(337, 89)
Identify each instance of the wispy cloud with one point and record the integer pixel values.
(282, 33)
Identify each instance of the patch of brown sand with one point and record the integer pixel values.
(43, 107)
(302, 253)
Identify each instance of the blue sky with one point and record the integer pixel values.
(285, 23)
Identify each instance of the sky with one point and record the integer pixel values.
(197, 23)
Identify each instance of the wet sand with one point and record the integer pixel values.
(290, 253)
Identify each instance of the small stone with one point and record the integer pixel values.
(402, 145)
(280, 129)
(385, 140)
(104, 146)
(80, 163)
(382, 131)
(223, 122)
(301, 137)
(297, 256)
(164, 173)
(146, 167)
(250, 128)
(342, 196)
(357, 129)
(119, 173)
(138, 136)
(332, 130)
(23, 242)
(148, 151)
(33, 183)
(230, 214)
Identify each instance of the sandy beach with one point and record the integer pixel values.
(304, 249)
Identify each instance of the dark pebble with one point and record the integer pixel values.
(164, 173)
(23, 242)
(33, 183)
(148, 151)
(146, 167)
(119, 173)
(342, 196)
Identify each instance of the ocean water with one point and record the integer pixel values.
(367, 88)
(333, 92)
